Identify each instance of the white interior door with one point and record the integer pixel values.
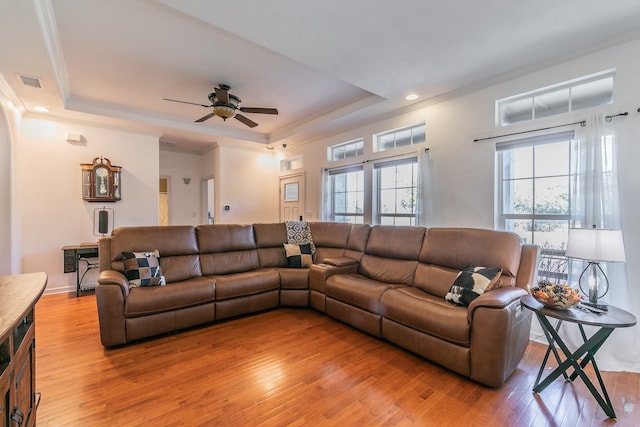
(292, 194)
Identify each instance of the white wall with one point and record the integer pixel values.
(5, 196)
(48, 209)
(185, 200)
(246, 181)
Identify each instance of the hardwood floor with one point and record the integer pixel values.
(284, 367)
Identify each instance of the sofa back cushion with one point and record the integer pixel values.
(330, 239)
(177, 246)
(391, 253)
(227, 248)
(446, 251)
(270, 240)
(357, 241)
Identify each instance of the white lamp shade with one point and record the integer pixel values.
(595, 244)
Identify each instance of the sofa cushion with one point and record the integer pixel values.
(269, 240)
(236, 285)
(472, 282)
(142, 269)
(357, 290)
(388, 270)
(459, 247)
(158, 299)
(298, 256)
(426, 313)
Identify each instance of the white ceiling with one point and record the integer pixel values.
(325, 65)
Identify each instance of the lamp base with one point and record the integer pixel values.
(599, 305)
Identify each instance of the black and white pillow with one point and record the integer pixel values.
(299, 233)
(142, 269)
(298, 256)
(472, 282)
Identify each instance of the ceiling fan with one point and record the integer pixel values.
(225, 105)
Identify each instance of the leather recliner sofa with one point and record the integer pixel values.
(387, 281)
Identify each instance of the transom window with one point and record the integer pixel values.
(573, 95)
(400, 138)
(345, 150)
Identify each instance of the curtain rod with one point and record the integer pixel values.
(609, 118)
(582, 123)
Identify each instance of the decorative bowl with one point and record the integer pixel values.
(560, 297)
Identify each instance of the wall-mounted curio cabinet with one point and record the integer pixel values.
(100, 181)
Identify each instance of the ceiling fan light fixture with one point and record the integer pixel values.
(225, 111)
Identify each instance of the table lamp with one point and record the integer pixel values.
(595, 245)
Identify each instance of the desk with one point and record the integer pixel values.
(73, 254)
(579, 359)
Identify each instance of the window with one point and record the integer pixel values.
(345, 150)
(400, 138)
(573, 95)
(346, 187)
(291, 164)
(534, 181)
(397, 192)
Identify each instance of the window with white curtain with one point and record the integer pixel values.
(396, 191)
(346, 199)
(534, 182)
(377, 192)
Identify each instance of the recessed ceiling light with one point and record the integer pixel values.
(40, 109)
(411, 97)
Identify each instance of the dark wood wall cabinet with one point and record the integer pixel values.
(18, 398)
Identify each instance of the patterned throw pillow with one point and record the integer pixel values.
(299, 233)
(472, 282)
(298, 256)
(142, 269)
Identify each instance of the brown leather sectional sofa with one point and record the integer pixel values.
(387, 281)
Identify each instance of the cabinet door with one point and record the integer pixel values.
(23, 385)
(4, 403)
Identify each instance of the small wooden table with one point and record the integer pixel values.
(73, 254)
(579, 359)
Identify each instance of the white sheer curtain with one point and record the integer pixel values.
(595, 201)
(425, 190)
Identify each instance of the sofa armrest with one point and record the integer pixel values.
(319, 273)
(342, 261)
(113, 277)
(500, 329)
(497, 298)
(111, 294)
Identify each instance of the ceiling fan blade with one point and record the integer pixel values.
(258, 110)
(186, 102)
(246, 121)
(222, 94)
(207, 117)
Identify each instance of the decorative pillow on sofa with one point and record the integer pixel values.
(472, 282)
(142, 269)
(299, 233)
(298, 256)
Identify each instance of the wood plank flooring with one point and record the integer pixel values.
(287, 367)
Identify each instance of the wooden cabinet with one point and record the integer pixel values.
(100, 181)
(18, 397)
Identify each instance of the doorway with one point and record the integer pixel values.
(208, 200)
(292, 196)
(163, 202)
